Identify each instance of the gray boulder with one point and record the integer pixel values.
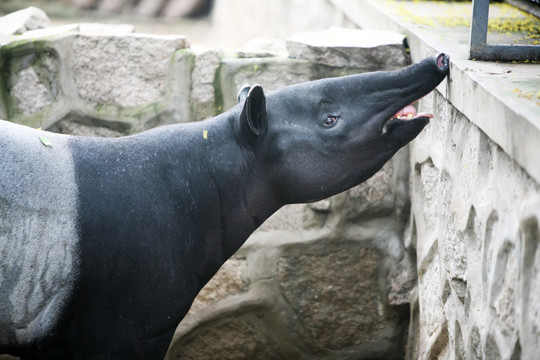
(21, 21)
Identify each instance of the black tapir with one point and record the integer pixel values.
(106, 242)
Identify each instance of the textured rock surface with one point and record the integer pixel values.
(270, 73)
(320, 283)
(475, 222)
(203, 78)
(30, 92)
(97, 76)
(23, 20)
(262, 47)
(142, 78)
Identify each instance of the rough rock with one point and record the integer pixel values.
(30, 93)
(203, 78)
(96, 29)
(475, 218)
(242, 335)
(319, 282)
(32, 80)
(289, 217)
(270, 73)
(21, 21)
(340, 47)
(142, 78)
(262, 47)
(229, 281)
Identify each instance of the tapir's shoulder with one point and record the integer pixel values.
(16, 135)
(38, 212)
(35, 164)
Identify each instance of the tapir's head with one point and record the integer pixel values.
(316, 139)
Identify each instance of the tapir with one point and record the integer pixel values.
(105, 242)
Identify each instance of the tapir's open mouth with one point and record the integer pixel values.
(415, 82)
(406, 114)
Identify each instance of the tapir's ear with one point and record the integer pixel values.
(253, 121)
(243, 93)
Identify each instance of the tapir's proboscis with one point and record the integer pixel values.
(106, 242)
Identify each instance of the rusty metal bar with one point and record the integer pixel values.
(480, 50)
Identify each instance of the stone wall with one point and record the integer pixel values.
(474, 228)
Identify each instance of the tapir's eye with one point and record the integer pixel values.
(330, 120)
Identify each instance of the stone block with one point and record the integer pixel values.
(270, 73)
(21, 21)
(430, 292)
(141, 79)
(30, 93)
(96, 29)
(262, 47)
(529, 328)
(340, 47)
(334, 288)
(289, 217)
(475, 212)
(32, 84)
(251, 333)
(96, 75)
(230, 280)
(203, 80)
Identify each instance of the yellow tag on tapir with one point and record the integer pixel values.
(205, 134)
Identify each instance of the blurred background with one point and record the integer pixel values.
(204, 22)
(212, 22)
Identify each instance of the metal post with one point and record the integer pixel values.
(479, 49)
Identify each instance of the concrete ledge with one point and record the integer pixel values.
(502, 99)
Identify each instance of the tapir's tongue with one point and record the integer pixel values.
(407, 112)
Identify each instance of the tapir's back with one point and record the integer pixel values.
(38, 237)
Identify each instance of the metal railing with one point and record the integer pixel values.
(481, 50)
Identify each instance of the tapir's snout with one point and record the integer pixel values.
(398, 118)
(443, 63)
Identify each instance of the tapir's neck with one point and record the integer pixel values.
(244, 198)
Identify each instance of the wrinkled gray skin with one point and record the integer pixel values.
(106, 242)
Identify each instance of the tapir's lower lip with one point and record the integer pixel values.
(420, 83)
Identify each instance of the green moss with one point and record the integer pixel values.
(14, 56)
(218, 91)
(504, 19)
(17, 56)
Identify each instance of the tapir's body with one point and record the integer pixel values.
(106, 242)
